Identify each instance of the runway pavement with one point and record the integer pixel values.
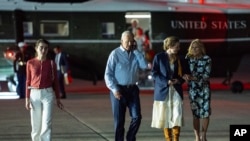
(87, 117)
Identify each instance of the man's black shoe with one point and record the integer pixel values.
(63, 97)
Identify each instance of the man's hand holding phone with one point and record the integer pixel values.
(133, 45)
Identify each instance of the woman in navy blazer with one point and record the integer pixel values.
(168, 68)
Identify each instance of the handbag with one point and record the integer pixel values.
(68, 78)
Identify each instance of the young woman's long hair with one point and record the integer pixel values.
(169, 42)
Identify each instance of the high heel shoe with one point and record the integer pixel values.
(203, 139)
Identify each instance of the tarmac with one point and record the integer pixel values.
(87, 115)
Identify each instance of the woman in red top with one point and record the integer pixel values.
(41, 88)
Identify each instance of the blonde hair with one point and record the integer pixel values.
(168, 43)
(200, 45)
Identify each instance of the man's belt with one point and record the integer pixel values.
(127, 86)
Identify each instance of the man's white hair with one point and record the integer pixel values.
(135, 20)
(127, 33)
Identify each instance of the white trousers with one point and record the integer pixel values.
(41, 113)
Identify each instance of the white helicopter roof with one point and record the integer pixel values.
(212, 6)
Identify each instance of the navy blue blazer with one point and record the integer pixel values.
(162, 74)
(63, 63)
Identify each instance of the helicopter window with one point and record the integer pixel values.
(108, 30)
(27, 29)
(54, 28)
